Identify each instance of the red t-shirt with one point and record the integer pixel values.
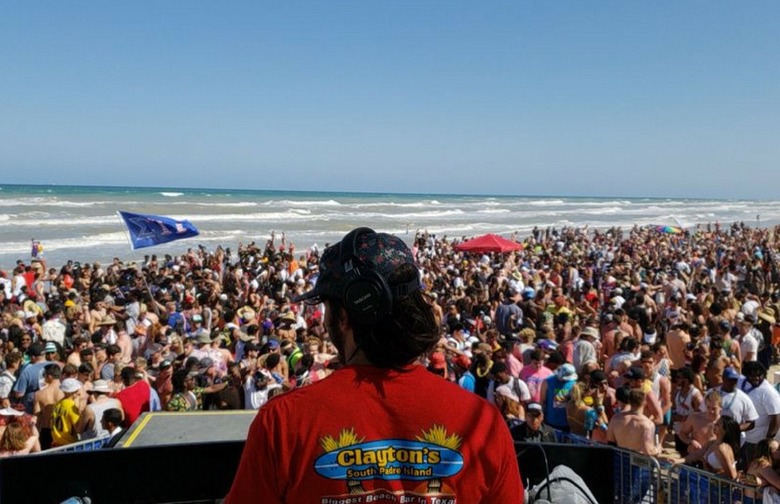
(366, 434)
(135, 400)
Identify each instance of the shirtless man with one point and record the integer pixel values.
(676, 341)
(124, 342)
(698, 428)
(661, 386)
(637, 379)
(631, 429)
(96, 316)
(718, 361)
(79, 344)
(45, 399)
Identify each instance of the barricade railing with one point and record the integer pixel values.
(637, 477)
(691, 485)
(86, 445)
(569, 438)
(641, 479)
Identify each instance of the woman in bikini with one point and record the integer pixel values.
(719, 455)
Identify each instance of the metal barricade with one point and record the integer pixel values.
(641, 479)
(569, 438)
(696, 486)
(638, 478)
(88, 445)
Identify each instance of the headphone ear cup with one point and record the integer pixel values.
(368, 298)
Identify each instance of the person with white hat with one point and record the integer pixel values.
(65, 415)
(509, 404)
(585, 352)
(533, 429)
(89, 426)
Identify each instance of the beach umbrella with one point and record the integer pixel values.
(488, 243)
(669, 229)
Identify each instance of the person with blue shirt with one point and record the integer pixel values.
(466, 380)
(31, 377)
(555, 393)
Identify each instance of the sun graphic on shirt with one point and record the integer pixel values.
(438, 435)
(346, 438)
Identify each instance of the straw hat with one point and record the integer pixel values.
(100, 386)
(767, 314)
(246, 313)
(31, 306)
(108, 321)
(203, 335)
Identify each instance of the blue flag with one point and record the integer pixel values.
(150, 230)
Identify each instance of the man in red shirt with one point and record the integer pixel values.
(135, 397)
(382, 428)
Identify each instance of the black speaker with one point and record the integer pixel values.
(366, 294)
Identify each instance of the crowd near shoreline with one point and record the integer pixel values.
(640, 337)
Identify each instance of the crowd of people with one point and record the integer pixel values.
(639, 338)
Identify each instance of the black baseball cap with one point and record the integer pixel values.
(384, 253)
(635, 373)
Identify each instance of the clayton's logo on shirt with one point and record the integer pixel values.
(431, 457)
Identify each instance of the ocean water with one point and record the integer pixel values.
(80, 223)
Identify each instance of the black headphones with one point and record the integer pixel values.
(366, 294)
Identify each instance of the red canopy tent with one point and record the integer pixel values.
(488, 243)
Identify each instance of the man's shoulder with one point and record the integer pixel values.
(31, 369)
(646, 422)
(638, 421)
(619, 418)
(769, 389)
(741, 395)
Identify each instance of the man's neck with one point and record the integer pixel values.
(640, 410)
(357, 357)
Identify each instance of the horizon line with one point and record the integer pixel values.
(375, 193)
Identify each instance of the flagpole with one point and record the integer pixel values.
(143, 277)
(151, 296)
(127, 231)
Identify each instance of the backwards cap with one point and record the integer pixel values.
(356, 256)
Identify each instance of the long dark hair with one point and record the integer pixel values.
(407, 333)
(730, 433)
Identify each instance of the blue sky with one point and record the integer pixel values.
(602, 98)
